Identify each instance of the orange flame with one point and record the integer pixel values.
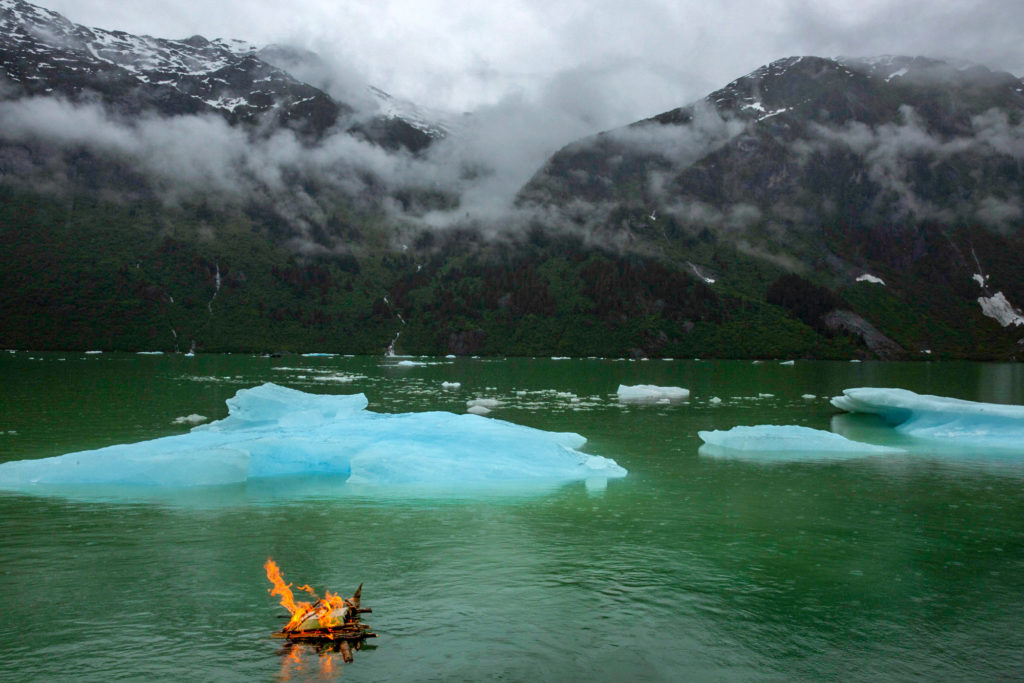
(325, 613)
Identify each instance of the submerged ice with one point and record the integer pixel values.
(785, 442)
(938, 418)
(273, 431)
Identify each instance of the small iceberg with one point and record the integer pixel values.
(950, 421)
(273, 431)
(785, 443)
(650, 393)
(192, 419)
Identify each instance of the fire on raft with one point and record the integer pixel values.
(331, 618)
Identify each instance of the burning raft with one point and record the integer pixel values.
(330, 618)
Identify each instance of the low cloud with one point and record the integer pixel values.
(890, 150)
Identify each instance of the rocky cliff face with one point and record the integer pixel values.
(805, 141)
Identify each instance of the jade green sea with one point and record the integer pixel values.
(691, 568)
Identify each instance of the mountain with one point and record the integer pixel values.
(170, 194)
(847, 172)
(44, 54)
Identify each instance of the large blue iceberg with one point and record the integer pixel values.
(780, 443)
(273, 431)
(949, 421)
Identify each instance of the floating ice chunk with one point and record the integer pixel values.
(788, 362)
(344, 379)
(785, 443)
(808, 396)
(867, 277)
(92, 353)
(714, 400)
(272, 431)
(192, 419)
(481, 406)
(450, 356)
(939, 418)
(149, 353)
(451, 385)
(650, 393)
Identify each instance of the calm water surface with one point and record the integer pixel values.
(691, 568)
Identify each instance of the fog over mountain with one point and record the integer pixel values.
(826, 206)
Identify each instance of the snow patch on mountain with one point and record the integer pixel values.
(1001, 310)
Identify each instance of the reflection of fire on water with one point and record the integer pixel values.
(331, 619)
(319, 659)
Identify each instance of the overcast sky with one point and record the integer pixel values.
(623, 60)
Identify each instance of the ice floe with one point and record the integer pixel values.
(273, 431)
(481, 406)
(192, 419)
(650, 393)
(785, 443)
(939, 418)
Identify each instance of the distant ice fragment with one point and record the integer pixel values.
(650, 393)
(785, 443)
(939, 418)
(272, 431)
(192, 419)
(451, 385)
(481, 406)
(788, 362)
(714, 400)
(867, 277)
(808, 396)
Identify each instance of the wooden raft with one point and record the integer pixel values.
(352, 629)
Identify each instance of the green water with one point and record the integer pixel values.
(690, 568)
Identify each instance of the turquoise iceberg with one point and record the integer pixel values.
(273, 431)
(785, 443)
(949, 421)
